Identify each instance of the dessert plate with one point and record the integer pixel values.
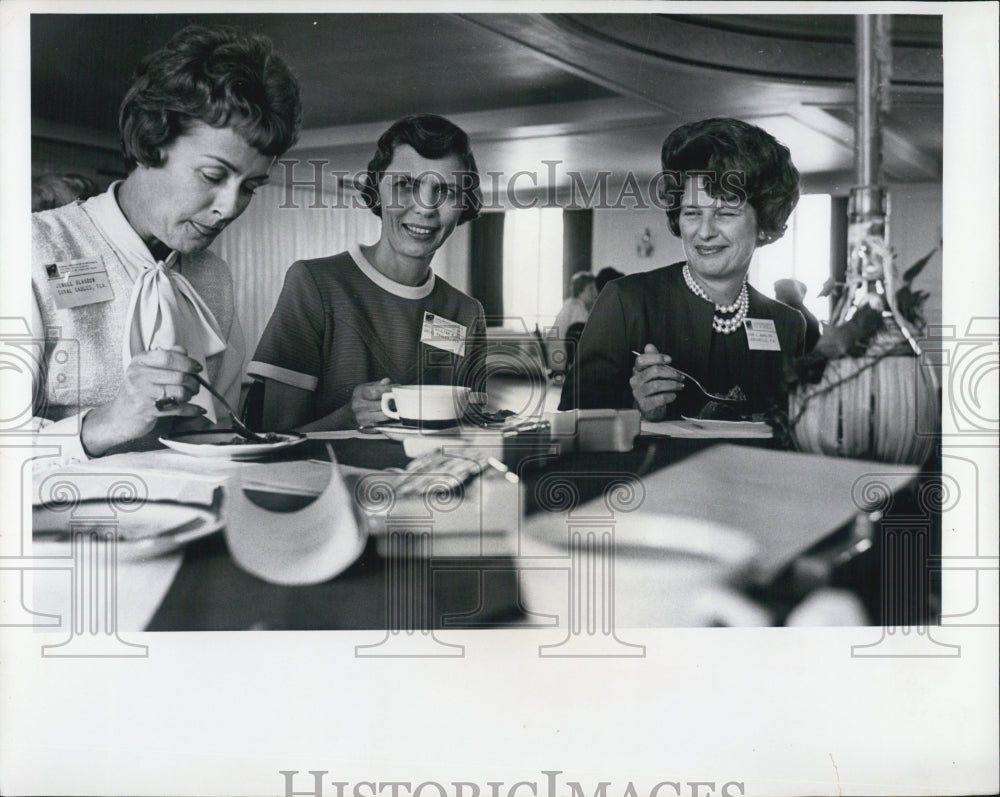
(149, 529)
(227, 444)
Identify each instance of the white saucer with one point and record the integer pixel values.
(218, 444)
(733, 428)
(150, 529)
(399, 432)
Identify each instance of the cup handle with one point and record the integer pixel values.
(386, 410)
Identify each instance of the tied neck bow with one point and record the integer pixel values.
(165, 311)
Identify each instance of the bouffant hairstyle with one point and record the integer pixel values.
(219, 76)
(433, 137)
(740, 158)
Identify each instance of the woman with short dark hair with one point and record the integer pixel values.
(747, 164)
(347, 327)
(729, 187)
(127, 276)
(434, 137)
(217, 76)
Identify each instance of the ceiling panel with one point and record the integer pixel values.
(593, 92)
(538, 163)
(354, 68)
(907, 30)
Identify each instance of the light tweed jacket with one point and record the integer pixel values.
(89, 371)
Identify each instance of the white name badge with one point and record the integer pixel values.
(79, 282)
(443, 334)
(761, 334)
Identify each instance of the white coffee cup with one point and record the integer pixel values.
(428, 406)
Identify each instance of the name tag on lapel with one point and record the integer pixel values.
(761, 334)
(443, 334)
(79, 282)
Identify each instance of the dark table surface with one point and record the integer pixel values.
(210, 592)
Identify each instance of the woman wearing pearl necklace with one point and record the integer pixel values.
(727, 187)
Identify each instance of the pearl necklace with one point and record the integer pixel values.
(740, 307)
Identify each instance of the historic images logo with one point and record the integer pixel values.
(298, 785)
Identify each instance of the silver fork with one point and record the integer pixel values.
(697, 384)
(242, 428)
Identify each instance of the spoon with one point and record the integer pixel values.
(238, 425)
(697, 384)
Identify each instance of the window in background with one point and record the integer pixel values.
(803, 254)
(532, 266)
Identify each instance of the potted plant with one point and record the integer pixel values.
(863, 391)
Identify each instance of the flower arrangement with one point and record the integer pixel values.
(852, 395)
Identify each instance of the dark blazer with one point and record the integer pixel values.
(657, 307)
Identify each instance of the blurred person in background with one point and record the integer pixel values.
(55, 190)
(576, 309)
(606, 275)
(792, 292)
(565, 333)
